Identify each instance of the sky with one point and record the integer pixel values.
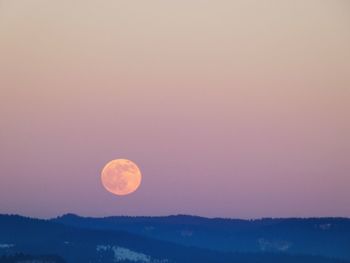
(231, 108)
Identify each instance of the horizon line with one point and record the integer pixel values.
(176, 215)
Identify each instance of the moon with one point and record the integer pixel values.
(121, 177)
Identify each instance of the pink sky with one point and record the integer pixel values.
(230, 108)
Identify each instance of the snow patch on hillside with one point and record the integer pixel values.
(272, 245)
(122, 254)
(4, 246)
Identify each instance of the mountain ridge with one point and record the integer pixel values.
(317, 236)
(81, 245)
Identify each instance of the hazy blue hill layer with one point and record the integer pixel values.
(316, 236)
(82, 245)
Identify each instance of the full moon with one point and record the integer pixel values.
(121, 177)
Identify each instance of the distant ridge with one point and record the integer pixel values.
(93, 242)
(189, 217)
(314, 236)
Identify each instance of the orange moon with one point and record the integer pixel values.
(121, 177)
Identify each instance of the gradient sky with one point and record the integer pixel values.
(230, 108)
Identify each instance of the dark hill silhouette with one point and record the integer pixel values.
(21, 258)
(81, 245)
(315, 236)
